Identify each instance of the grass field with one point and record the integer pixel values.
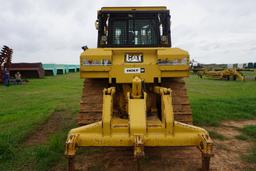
(216, 100)
(250, 133)
(23, 108)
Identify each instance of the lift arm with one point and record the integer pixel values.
(167, 110)
(107, 110)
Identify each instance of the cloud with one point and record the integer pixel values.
(53, 31)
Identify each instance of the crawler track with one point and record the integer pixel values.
(91, 101)
(180, 101)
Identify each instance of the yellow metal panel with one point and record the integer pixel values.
(95, 68)
(172, 53)
(180, 139)
(136, 92)
(151, 71)
(168, 113)
(119, 125)
(149, 64)
(94, 74)
(137, 115)
(146, 8)
(185, 135)
(116, 122)
(107, 110)
(96, 54)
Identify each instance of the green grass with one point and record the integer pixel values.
(250, 132)
(214, 101)
(249, 73)
(216, 135)
(23, 108)
(27, 105)
(242, 137)
(251, 156)
(47, 155)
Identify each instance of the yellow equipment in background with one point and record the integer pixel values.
(226, 74)
(134, 94)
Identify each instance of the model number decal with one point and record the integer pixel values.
(134, 70)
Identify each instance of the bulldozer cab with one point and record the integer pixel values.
(134, 41)
(133, 27)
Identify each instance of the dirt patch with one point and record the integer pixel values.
(229, 151)
(239, 124)
(113, 159)
(49, 127)
(227, 155)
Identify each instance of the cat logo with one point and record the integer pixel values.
(133, 58)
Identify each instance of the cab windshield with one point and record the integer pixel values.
(135, 29)
(133, 32)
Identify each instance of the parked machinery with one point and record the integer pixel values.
(134, 93)
(5, 60)
(226, 74)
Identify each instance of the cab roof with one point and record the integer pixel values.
(141, 8)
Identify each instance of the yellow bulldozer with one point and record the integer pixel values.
(134, 94)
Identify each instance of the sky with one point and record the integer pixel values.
(53, 31)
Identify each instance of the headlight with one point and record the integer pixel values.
(182, 61)
(103, 62)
